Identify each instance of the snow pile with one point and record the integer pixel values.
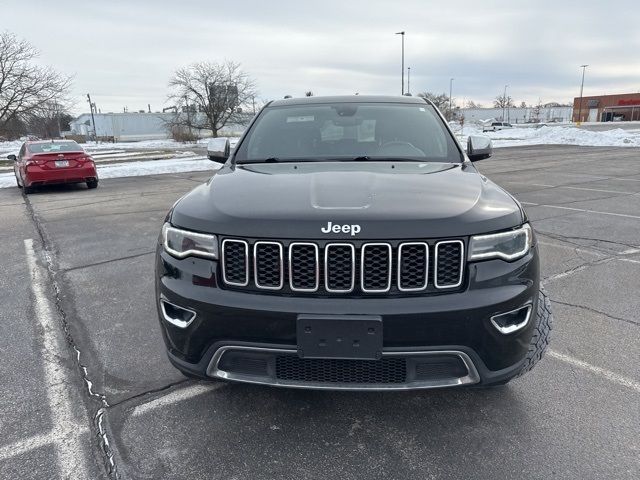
(134, 169)
(13, 146)
(172, 165)
(166, 144)
(9, 148)
(555, 135)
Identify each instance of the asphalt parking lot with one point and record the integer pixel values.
(87, 391)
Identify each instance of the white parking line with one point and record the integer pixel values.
(630, 260)
(527, 183)
(23, 446)
(31, 443)
(174, 397)
(573, 248)
(600, 190)
(574, 188)
(609, 375)
(581, 210)
(626, 179)
(66, 431)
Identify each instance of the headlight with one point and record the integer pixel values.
(509, 245)
(183, 243)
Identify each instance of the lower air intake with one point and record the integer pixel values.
(335, 371)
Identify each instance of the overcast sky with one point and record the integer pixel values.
(124, 52)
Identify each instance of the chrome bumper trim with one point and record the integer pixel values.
(175, 321)
(471, 378)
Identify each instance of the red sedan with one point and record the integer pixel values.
(53, 161)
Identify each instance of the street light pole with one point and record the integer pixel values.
(402, 33)
(450, 93)
(409, 80)
(584, 67)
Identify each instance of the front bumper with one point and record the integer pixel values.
(446, 325)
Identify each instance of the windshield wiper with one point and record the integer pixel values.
(366, 158)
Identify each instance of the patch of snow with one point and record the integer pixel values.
(142, 145)
(167, 144)
(134, 169)
(10, 148)
(7, 180)
(156, 167)
(554, 135)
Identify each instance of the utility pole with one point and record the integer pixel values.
(93, 120)
(450, 93)
(402, 33)
(409, 80)
(584, 67)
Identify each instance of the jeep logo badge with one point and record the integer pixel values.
(331, 228)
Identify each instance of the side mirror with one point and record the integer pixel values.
(12, 157)
(479, 147)
(219, 149)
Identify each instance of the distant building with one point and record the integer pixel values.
(607, 108)
(123, 127)
(133, 126)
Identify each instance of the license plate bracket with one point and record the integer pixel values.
(340, 336)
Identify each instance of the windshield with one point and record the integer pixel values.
(347, 131)
(54, 147)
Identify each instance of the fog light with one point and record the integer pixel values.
(512, 321)
(179, 316)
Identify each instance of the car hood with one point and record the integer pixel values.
(387, 200)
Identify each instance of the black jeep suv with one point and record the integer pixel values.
(350, 243)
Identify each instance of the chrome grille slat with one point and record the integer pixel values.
(232, 266)
(300, 270)
(368, 266)
(348, 261)
(268, 266)
(411, 268)
(333, 267)
(448, 265)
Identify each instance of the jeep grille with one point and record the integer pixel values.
(335, 268)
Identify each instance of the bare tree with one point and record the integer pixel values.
(26, 88)
(308, 93)
(503, 101)
(214, 95)
(50, 120)
(537, 110)
(472, 104)
(441, 101)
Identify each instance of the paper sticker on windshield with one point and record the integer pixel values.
(422, 109)
(302, 118)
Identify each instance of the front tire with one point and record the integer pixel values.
(541, 334)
